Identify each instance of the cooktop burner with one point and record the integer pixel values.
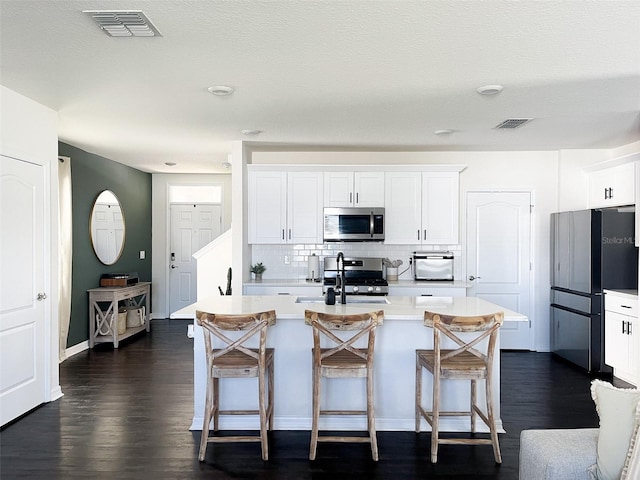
(362, 276)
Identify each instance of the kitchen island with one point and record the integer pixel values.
(394, 366)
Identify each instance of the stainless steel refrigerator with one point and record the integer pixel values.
(590, 250)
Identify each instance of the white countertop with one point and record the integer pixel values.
(398, 308)
(623, 293)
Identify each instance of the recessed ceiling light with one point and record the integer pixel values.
(251, 132)
(490, 89)
(220, 90)
(170, 164)
(444, 131)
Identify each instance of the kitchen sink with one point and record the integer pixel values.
(350, 299)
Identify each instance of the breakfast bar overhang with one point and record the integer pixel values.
(397, 339)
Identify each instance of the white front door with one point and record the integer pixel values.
(22, 295)
(192, 227)
(499, 257)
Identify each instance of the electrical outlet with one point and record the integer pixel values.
(287, 260)
(142, 254)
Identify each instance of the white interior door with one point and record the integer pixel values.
(192, 227)
(499, 257)
(22, 296)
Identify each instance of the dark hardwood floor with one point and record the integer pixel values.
(126, 412)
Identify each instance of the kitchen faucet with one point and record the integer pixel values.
(343, 290)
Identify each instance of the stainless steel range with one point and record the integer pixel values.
(362, 275)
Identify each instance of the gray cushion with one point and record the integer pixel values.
(557, 453)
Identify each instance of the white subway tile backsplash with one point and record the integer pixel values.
(273, 256)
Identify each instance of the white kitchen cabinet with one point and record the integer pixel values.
(285, 207)
(421, 208)
(311, 290)
(613, 186)
(354, 189)
(426, 291)
(621, 336)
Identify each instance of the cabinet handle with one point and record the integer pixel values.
(629, 328)
(289, 234)
(350, 197)
(418, 234)
(625, 306)
(606, 193)
(283, 233)
(624, 330)
(425, 234)
(357, 198)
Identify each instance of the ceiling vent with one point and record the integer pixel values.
(513, 122)
(124, 23)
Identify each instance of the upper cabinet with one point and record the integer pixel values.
(354, 189)
(421, 207)
(612, 187)
(285, 207)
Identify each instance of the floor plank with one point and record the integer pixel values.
(125, 414)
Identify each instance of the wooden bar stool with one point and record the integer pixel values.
(463, 363)
(342, 361)
(235, 360)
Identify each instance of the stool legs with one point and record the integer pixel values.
(208, 412)
(263, 416)
(216, 404)
(435, 419)
(492, 424)
(315, 414)
(371, 421)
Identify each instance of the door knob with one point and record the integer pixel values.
(41, 296)
(472, 278)
(174, 266)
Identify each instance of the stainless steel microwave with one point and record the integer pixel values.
(353, 224)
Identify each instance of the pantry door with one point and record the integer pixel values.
(499, 257)
(22, 282)
(192, 227)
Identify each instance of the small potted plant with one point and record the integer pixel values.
(257, 270)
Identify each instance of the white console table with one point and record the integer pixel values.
(101, 320)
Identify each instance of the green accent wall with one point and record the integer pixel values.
(90, 175)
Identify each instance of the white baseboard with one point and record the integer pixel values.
(56, 393)
(75, 349)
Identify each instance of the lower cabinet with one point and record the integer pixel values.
(621, 337)
(426, 291)
(297, 290)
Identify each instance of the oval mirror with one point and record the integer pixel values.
(107, 227)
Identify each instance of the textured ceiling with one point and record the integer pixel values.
(344, 74)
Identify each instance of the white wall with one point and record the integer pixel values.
(160, 228)
(29, 131)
